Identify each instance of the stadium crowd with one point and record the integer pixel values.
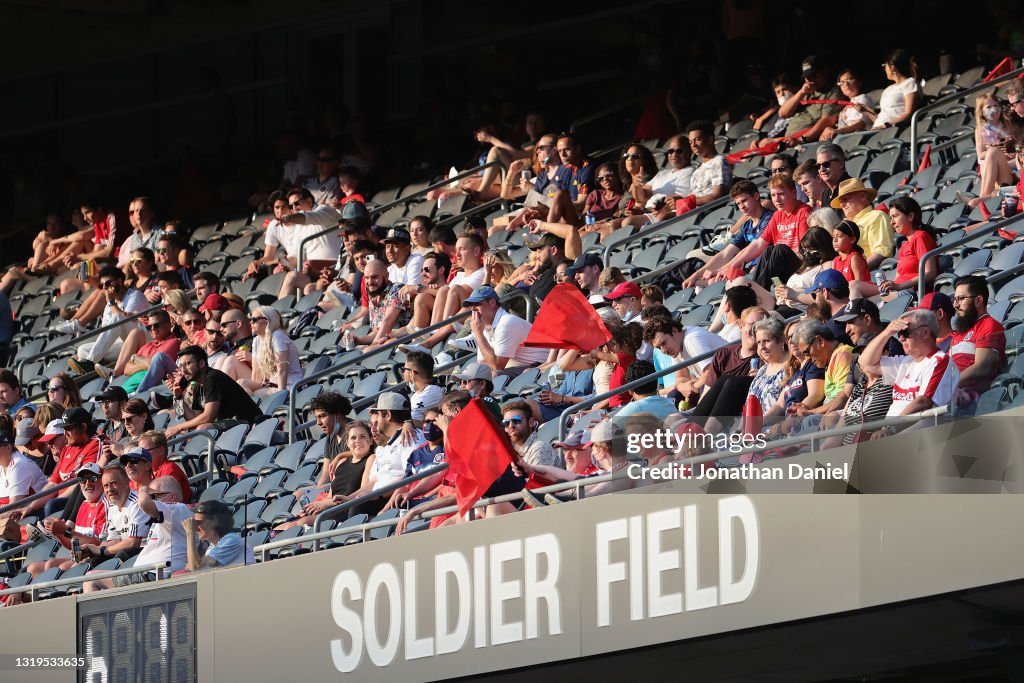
(797, 339)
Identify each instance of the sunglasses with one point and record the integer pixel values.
(904, 334)
(257, 318)
(109, 284)
(518, 419)
(136, 461)
(294, 205)
(607, 176)
(161, 250)
(54, 388)
(136, 261)
(153, 327)
(676, 150)
(824, 164)
(88, 478)
(630, 155)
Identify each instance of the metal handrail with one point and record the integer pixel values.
(40, 494)
(661, 225)
(563, 419)
(209, 436)
(970, 237)
(960, 94)
(394, 343)
(815, 435)
(473, 210)
(579, 484)
(157, 567)
(76, 341)
(600, 114)
(332, 512)
(377, 210)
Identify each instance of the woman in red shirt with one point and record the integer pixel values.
(906, 220)
(850, 261)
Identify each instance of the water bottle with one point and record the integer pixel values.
(589, 218)
(347, 341)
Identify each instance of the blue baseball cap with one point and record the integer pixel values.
(481, 293)
(827, 279)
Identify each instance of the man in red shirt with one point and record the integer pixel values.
(90, 522)
(81, 449)
(154, 360)
(779, 244)
(978, 345)
(155, 443)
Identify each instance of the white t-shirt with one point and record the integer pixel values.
(166, 540)
(391, 458)
(934, 376)
(730, 332)
(284, 237)
(325, 247)
(421, 401)
(506, 335)
(672, 182)
(893, 104)
(21, 478)
(851, 115)
(714, 171)
(323, 190)
(127, 522)
(696, 342)
(409, 274)
(280, 341)
(304, 164)
(471, 280)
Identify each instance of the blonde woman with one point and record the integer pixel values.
(177, 303)
(275, 359)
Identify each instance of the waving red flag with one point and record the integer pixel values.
(478, 452)
(566, 320)
(1003, 67)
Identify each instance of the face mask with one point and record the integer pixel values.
(783, 97)
(431, 432)
(412, 387)
(990, 112)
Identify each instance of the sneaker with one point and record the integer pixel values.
(72, 327)
(406, 348)
(442, 359)
(103, 371)
(463, 343)
(531, 500)
(81, 367)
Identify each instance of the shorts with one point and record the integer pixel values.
(132, 579)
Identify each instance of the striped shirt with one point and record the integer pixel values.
(933, 376)
(128, 521)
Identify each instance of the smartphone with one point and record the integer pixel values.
(777, 282)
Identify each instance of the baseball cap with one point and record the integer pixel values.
(577, 439)
(90, 467)
(585, 260)
(354, 211)
(606, 430)
(856, 308)
(624, 289)
(6, 440)
(389, 400)
(481, 293)
(829, 278)
(810, 65)
(214, 302)
(137, 453)
(398, 236)
(74, 417)
(539, 240)
(114, 393)
(476, 370)
(26, 431)
(54, 429)
(937, 301)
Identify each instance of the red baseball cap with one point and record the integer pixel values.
(215, 302)
(624, 289)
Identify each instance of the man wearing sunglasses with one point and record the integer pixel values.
(831, 163)
(215, 398)
(520, 426)
(673, 180)
(168, 254)
(80, 448)
(120, 302)
(90, 525)
(924, 378)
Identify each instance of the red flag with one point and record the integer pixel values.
(566, 320)
(477, 450)
(926, 159)
(1003, 67)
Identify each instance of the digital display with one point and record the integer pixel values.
(147, 637)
